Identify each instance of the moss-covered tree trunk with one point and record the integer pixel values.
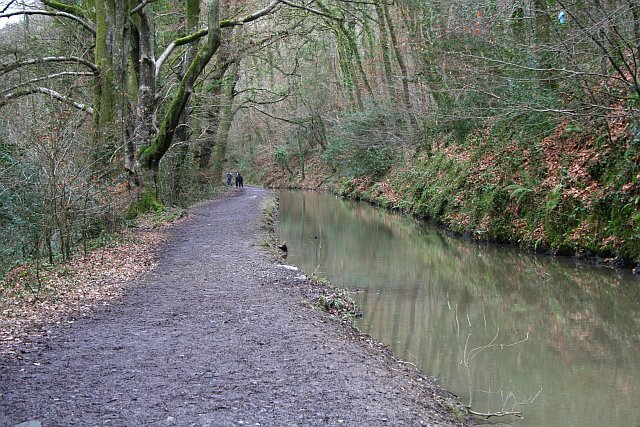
(111, 94)
(349, 57)
(111, 90)
(215, 93)
(211, 117)
(144, 80)
(150, 156)
(354, 96)
(400, 59)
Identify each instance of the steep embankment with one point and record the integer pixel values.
(571, 190)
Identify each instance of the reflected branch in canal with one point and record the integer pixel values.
(468, 353)
(583, 321)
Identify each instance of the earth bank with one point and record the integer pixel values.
(564, 188)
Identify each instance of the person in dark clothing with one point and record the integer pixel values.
(229, 177)
(239, 180)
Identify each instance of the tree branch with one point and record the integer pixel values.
(205, 31)
(7, 6)
(496, 414)
(63, 7)
(141, 6)
(49, 77)
(310, 10)
(5, 68)
(46, 91)
(87, 25)
(271, 116)
(252, 17)
(595, 40)
(567, 72)
(178, 42)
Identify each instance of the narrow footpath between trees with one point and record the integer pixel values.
(216, 334)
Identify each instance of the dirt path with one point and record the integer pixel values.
(215, 335)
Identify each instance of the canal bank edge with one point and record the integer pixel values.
(562, 193)
(319, 294)
(371, 192)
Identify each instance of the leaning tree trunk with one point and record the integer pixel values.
(182, 135)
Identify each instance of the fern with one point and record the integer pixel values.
(518, 191)
(554, 199)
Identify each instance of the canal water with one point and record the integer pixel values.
(503, 329)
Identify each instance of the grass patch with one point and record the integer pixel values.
(157, 218)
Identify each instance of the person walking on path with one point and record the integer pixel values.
(239, 180)
(229, 177)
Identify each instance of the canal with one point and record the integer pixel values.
(504, 329)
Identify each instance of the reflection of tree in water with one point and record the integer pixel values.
(586, 313)
(502, 401)
(582, 321)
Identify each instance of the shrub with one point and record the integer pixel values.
(363, 143)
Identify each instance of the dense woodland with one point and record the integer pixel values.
(509, 120)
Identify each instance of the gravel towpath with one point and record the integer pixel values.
(215, 335)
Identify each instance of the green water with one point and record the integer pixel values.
(503, 329)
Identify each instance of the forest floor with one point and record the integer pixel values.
(217, 332)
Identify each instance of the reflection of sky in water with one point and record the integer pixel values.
(435, 299)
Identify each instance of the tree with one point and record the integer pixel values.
(125, 102)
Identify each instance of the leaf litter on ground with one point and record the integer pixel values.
(36, 297)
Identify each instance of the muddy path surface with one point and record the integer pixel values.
(215, 335)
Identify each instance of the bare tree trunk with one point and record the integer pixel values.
(401, 64)
(226, 119)
(384, 48)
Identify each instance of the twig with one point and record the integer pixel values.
(141, 6)
(46, 91)
(496, 414)
(86, 25)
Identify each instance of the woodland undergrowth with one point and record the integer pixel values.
(551, 185)
(36, 296)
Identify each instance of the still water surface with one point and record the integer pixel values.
(503, 329)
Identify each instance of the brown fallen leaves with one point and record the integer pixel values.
(33, 299)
